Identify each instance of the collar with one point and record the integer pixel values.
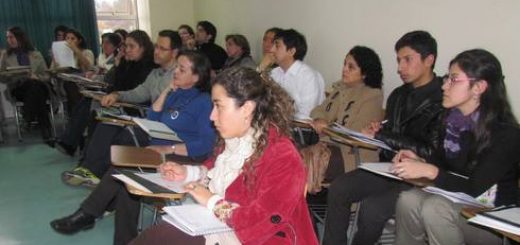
(294, 68)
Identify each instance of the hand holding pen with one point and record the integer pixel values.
(372, 128)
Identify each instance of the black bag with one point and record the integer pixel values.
(305, 137)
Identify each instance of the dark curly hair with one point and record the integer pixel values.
(370, 65)
(274, 107)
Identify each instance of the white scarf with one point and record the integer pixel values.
(228, 164)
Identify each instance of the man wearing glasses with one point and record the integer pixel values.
(165, 53)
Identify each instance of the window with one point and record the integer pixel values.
(116, 14)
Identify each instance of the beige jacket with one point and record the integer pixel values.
(38, 65)
(354, 108)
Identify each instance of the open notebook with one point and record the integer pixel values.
(385, 169)
(194, 219)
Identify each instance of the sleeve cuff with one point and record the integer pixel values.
(192, 173)
(212, 201)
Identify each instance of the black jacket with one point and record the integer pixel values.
(497, 164)
(414, 118)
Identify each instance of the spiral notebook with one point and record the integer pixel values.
(194, 220)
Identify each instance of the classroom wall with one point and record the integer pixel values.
(169, 14)
(332, 27)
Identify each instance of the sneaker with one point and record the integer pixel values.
(80, 177)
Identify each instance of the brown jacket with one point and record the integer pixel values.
(354, 108)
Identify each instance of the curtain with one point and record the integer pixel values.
(39, 17)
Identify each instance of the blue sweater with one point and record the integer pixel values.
(192, 123)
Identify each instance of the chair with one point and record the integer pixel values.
(18, 105)
(138, 157)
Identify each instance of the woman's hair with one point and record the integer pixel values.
(58, 29)
(22, 39)
(241, 41)
(82, 42)
(479, 64)
(112, 38)
(370, 65)
(143, 40)
(122, 32)
(187, 28)
(274, 107)
(201, 67)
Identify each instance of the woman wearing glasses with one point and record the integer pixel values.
(184, 107)
(478, 156)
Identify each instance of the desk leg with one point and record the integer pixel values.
(353, 228)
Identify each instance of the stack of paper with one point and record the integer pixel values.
(359, 136)
(156, 129)
(507, 219)
(381, 168)
(456, 197)
(194, 219)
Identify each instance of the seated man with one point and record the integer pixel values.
(98, 152)
(205, 38)
(304, 84)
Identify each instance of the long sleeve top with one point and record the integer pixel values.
(496, 165)
(304, 85)
(150, 89)
(186, 112)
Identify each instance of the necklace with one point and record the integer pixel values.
(175, 110)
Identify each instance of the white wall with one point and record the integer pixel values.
(332, 27)
(169, 14)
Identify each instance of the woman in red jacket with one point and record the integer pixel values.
(256, 181)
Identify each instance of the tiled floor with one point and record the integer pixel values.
(32, 194)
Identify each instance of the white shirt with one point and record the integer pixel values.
(304, 85)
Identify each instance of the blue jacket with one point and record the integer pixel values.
(192, 123)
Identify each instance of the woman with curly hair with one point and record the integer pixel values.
(256, 181)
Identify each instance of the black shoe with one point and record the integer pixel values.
(73, 223)
(64, 148)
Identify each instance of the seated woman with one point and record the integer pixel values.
(84, 59)
(110, 43)
(184, 107)
(479, 156)
(33, 90)
(187, 36)
(256, 181)
(354, 102)
(238, 51)
(137, 64)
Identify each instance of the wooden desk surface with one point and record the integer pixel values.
(115, 121)
(171, 196)
(131, 156)
(98, 96)
(470, 212)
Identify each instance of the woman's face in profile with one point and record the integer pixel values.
(230, 120)
(232, 49)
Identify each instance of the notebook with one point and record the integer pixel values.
(194, 220)
(507, 219)
(156, 129)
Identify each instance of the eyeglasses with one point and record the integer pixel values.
(451, 79)
(162, 48)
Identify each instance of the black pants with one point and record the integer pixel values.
(34, 95)
(111, 194)
(97, 153)
(80, 118)
(378, 195)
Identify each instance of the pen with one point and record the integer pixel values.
(384, 121)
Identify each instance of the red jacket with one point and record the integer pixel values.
(275, 210)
